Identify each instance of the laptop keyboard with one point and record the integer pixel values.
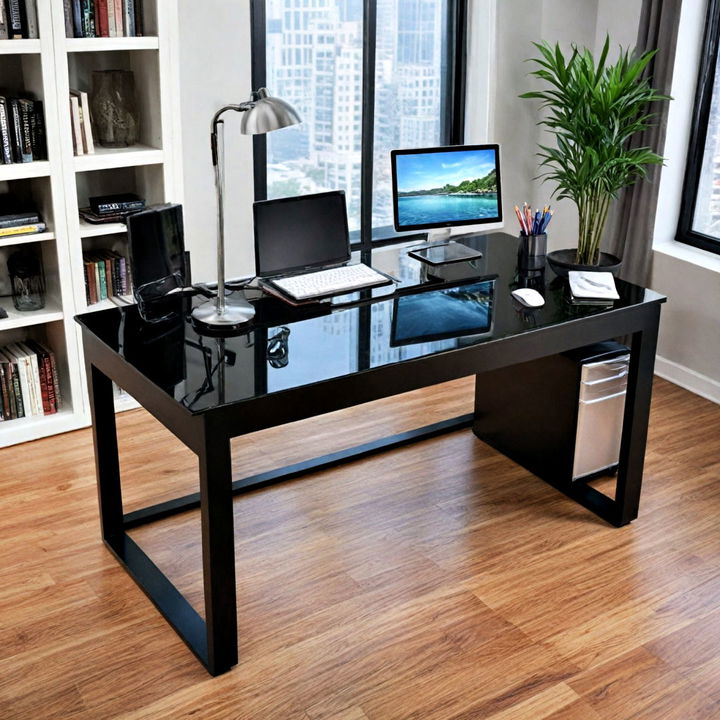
(330, 282)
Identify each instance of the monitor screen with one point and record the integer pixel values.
(445, 187)
(441, 314)
(295, 233)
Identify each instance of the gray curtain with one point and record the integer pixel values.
(629, 231)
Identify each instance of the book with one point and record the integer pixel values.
(5, 138)
(129, 17)
(90, 285)
(37, 131)
(76, 126)
(4, 393)
(19, 219)
(32, 19)
(15, 129)
(67, 10)
(139, 24)
(16, 30)
(13, 385)
(77, 18)
(25, 381)
(118, 203)
(118, 17)
(102, 19)
(55, 381)
(4, 33)
(34, 366)
(88, 18)
(46, 376)
(87, 123)
(112, 29)
(25, 108)
(22, 229)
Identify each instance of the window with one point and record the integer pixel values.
(699, 223)
(412, 50)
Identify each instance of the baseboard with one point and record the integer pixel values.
(689, 379)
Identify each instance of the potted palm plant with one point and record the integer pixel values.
(594, 109)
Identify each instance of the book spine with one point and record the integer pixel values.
(4, 30)
(67, 9)
(123, 275)
(129, 18)
(102, 18)
(5, 141)
(39, 138)
(77, 129)
(103, 280)
(112, 30)
(118, 17)
(32, 19)
(45, 385)
(22, 229)
(56, 382)
(108, 277)
(87, 124)
(77, 18)
(24, 385)
(4, 392)
(15, 25)
(19, 219)
(15, 130)
(88, 17)
(139, 25)
(34, 367)
(18, 408)
(114, 207)
(25, 108)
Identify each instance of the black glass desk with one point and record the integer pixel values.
(299, 362)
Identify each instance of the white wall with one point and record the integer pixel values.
(215, 71)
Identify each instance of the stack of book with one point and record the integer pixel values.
(81, 123)
(103, 18)
(28, 381)
(18, 19)
(112, 208)
(22, 130)
(107, 274)
(18, 219)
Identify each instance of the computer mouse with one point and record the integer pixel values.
(528, 297)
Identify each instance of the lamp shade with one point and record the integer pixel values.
(267, 114)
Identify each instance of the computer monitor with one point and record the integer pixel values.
(298, 233)
(446, 187)
(441, 314)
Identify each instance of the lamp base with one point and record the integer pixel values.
(232, 318)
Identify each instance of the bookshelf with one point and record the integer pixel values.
(47, 68)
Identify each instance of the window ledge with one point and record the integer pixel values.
(688, 253)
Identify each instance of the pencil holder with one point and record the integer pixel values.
(531, 251)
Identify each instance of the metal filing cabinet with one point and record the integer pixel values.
(561, 416)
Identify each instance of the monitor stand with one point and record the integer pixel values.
(435, 238)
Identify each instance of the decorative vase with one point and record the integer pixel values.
(26, 278)
(114, 108)
(562, 261)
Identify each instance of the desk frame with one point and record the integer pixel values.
(208, 435)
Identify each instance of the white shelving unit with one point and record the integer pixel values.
(47, 68)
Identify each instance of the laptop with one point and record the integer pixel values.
(302, 248)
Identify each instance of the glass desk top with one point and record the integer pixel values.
(463, 304)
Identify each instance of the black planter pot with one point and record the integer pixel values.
(562, 261)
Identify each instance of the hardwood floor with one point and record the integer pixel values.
(439, 581)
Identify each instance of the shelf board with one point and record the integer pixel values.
(23, 239)
(90, 230)
(19, 47)
(15, 319)
(31, 428)
(116, 43)
(105, 158)
(108, 304)
(20, 171)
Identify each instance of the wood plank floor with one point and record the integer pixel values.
(435, 582)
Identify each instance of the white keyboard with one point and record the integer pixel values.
(334, 281)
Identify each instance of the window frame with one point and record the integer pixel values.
(698, 134)
(453, 120)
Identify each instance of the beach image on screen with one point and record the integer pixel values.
(451, 312)
(446, 187)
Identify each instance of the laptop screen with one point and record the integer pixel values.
(297, 233)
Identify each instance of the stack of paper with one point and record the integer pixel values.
(596, 286)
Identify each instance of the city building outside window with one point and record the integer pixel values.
(699, 223)
(315, 58)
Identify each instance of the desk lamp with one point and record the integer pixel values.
(261, 114)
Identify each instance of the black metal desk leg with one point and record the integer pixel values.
(107, 464)
(218, 544)
(635, 424)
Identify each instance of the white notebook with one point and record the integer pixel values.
(596, 285)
